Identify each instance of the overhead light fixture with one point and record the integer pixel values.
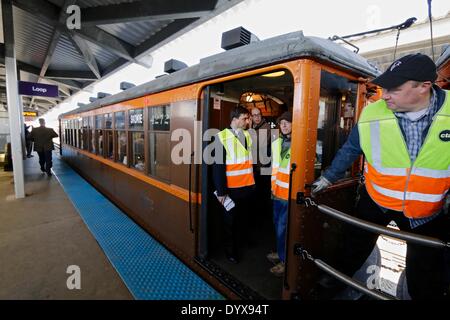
(274, 74)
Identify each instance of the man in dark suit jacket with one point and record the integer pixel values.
(43, 145)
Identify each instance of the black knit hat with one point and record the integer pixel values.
(417, 67)
(285, 116)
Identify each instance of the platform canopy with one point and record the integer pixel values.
(113, 34)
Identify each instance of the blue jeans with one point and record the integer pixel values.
(280, 208)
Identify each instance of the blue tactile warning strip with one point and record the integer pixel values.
(149, 271)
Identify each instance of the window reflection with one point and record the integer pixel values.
(336, 118)
(159, 118)
(160, 155)
(119, 120)
(122, 147)
(138, 156)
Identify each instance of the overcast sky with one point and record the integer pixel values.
(268, 18)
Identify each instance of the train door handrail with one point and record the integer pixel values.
(371, 227)
(375, 228)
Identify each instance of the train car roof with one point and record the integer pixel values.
(256, 54)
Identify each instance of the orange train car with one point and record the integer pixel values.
(125, 145)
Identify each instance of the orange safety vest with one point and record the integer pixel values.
(418, 189)
(239, 164)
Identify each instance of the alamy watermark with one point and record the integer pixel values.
(74, 280)
(73, 21)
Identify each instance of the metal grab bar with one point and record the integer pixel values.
(349, 281)
(372, 227)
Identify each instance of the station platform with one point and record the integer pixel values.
(63, 221)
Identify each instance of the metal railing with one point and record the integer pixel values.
(371, 227)
(375, 228)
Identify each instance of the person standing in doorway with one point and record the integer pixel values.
(261, 166)
(43, 145)
(233, 177)
(281, 160)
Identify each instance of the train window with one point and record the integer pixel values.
(85, 133)
(63, 131)
(136, 119)
(336, 117)
(159, 118)
(75, 132)
(121, 138)
(92, 147)
(159, 146)
(99, 140)
(159, 141)
(71, 132)
(68, 132)
(137, 151)
(136, 127)
(78, 133)
(119, 120)
(108, 136)
(99, 122)
(108, 121)
(109, 144)
(99, 134)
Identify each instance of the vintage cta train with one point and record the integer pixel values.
(124, 144)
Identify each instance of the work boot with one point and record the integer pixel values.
(278, 270)
(273, 257)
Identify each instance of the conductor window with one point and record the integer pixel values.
(159, 141)
(336, 118)
(121, 137)
(99, 134)
(136, 125)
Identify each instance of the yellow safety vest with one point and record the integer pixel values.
(280, 171)
(239, 165)
(418, 189)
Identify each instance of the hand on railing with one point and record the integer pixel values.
(319, 185)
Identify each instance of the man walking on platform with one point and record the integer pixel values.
(43, 145)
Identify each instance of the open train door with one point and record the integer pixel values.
(250, 276)
(214, 117)
(326, 105)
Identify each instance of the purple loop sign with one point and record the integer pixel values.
(37, 89)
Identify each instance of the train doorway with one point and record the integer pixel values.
(271, 94)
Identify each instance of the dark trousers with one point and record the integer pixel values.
(263, 203)
(29, 145)
(45, 160)
(236, 224)
(425, 266)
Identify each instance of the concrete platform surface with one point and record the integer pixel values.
(41, 236)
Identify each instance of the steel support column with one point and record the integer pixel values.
(13, 99)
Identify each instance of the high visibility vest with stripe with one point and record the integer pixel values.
(418, 188)
(239, 165)
(280, 171)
